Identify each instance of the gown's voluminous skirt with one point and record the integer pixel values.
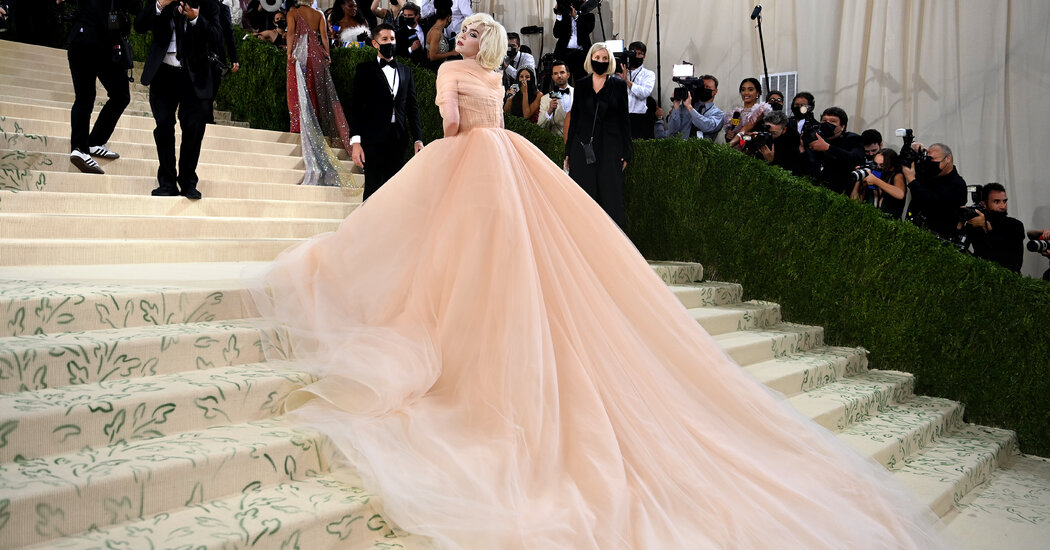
(506, 371)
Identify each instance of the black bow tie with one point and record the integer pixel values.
(385, 63)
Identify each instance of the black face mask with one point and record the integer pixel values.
(776, 105)
(635, 62)
(599, 66)
(282, 24)
(827, 130)
(512, 51)
(929, 168)
(797, 111)
(387, 50)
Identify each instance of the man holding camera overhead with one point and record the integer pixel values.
(640, 83)
(178, 73)
(573, 31)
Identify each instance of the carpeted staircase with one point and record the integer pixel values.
(137, 410)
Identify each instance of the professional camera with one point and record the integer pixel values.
(563, 7)
(688, 84)
(755, 141)
(811, 129)
(869, 167)
(908, 156)
(1038, 246)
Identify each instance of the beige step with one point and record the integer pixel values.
(845, 402)
(76, 251)
(145, 205)
(741, 316)
(77, 226)
(754, 346)
(900, 431)
(793, 374)
(77, 182)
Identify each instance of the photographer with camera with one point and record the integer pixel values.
(573, 31)
(98, 48)
(836, 152)
(937, 189)
(556, 104)
(686, 120)
(178, 73)
(778, 144)
(640, 83)
(994, 235)
(802, 106)
(880, 183)
(516, 59)
(1039, 242)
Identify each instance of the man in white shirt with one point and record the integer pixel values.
(553, 111)
(640, 82)
(516, 59)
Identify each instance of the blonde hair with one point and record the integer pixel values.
(590, 53)
(493, 41)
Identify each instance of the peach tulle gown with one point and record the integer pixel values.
(507, 372)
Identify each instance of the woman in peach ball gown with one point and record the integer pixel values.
(506, 371)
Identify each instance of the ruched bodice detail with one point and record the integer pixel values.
(476, 92)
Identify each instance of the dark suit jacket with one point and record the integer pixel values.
(226, 28)
(89, 29)
(372, 105)
(606, 113)
(404, 37)
(193, 42)
(563, 32)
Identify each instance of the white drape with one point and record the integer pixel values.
(969, 73)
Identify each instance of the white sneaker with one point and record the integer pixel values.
(101, 151)
(85, 163)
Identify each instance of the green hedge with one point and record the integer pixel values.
(968, 329)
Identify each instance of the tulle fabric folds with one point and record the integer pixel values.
(507, 372)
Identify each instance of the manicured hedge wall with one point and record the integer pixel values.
(969, 330)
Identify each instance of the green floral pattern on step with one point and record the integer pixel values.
(41, 307)
(19, 168)
(678, 273)
(50, 360)
(1019, 493)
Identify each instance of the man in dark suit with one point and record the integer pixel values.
(98, 52)
(410, 36)
(179, 75)
(226, 54)
(384, 112)
(573, 32)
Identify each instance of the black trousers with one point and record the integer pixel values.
(169, 91)
(87, 63)
(384, 160)
(642, 126)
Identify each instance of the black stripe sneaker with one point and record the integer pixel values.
(101, 151)
(85, 163)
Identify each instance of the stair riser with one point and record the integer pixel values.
(168, 227)
(20, 109)
(106, 184)
(768, 347)
(146, 166)
(859, 399)
(197, 473)
(36, 362)
(913, 433)
(742, 317)
(707, 294)
(36, 309)
(793, 375)
(87, 252)
(26, 88)
(147, 151)
(63, 420)
(31, 202)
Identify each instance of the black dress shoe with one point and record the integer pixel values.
(191, 194)
(164, 192)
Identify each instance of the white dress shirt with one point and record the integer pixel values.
(172, 58)
(644, 80)
(393, 82)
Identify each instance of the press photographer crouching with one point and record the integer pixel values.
(937, 189)
(779, 144)
(693, 111)
(836, 152)
(993, 235)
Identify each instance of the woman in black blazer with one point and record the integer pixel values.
(598, 141)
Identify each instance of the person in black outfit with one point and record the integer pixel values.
(226, 54)
(937, 191)
(599, 122)
(573, 32)
(785, 151)
(994, 235)
(96, 52)
(410, 36)
(179, 75)
(836, 152)
(384, 112)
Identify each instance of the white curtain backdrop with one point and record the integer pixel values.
(969, 73)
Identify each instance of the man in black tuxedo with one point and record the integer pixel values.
(97, 51)
(384, 112)
(179, 75)
(227, 55)
(573, 32)
(410, 36)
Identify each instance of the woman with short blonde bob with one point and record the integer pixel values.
(503, 370)
(598, 142)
